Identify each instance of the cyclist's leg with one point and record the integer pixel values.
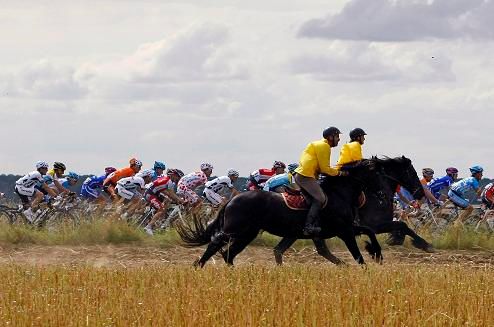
(462, 203)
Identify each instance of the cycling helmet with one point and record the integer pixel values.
(292, 167)
(172, 171)
(427, 171)
(109, 170)
(233, 172)
(159, 165)
(41, 164)
(330, 131)
(451, 171)
(145, 173)
(476, 169)
(135, 162)
(356, 132)
(73, 176)
(206, 165)
(279, 164)
(59, 165)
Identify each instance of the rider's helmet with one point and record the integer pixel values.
(476, 169)
(73, 176)
(159, 165)
(109, 170)
(173, 171)
(279, 164)
(292, 167)
(356, 132)
(42, 164)
(233, 172)
(206, 165)
(330, 131)
(428, 172)
(145, 173)
(59, 165)
(451, 171)
(135, 162)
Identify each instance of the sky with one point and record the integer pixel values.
(240, 84)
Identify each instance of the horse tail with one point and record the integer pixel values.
(198, 232)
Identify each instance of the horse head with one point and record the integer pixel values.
(400, 171)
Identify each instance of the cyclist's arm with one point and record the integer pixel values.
(430, 196)
(173, 196)
(60, 187)
(49, 190)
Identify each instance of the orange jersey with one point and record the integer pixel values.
(114, 177)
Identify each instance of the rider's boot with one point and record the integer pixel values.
(312, 221)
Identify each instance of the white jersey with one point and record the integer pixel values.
(218, 184)
(30, 180)
(132, 183)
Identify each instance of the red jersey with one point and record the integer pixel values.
(162, 183)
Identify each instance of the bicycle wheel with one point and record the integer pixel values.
(6, 216)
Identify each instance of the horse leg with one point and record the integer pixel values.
(237, 246)
(323, 250)
(403, 229)
(281, 247)
(374, 248)
(348, 236)
(217, 242)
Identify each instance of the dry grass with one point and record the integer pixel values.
(247, 296)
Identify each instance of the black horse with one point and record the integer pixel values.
(377, 213)
(384, 175)
(241, 220)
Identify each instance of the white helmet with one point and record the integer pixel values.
(233, 172)
(145, 173)
(42, 164)
(206, 165)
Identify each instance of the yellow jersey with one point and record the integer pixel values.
(315, 160)
(350, 152)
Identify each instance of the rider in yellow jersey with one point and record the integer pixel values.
(352, 151)
(315, 160)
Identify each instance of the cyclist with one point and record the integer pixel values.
(54, 175)
(92, 186)
(258, 177)
(69, 180)
(158, 170)
(488, 196)
(315, 160)
(352, 151)
(187, 185)
(438, 184)
(458, 189)
(214, 187)
(25, 189)
(427, 175)
(111, 180)
(279, 183)
(130, 188)
(157, 192)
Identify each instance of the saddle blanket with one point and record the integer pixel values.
(295, 202)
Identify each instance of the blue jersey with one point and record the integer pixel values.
(277, 181)
(94, 182)
(64, 182)
(464, 185)
(436, 185)
(48, 180)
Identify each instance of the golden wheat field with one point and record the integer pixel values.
(72, 290)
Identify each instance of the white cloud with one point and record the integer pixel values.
(357, 62)
(404, 20)
(45, 80)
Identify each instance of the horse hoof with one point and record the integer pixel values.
(197, 264)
